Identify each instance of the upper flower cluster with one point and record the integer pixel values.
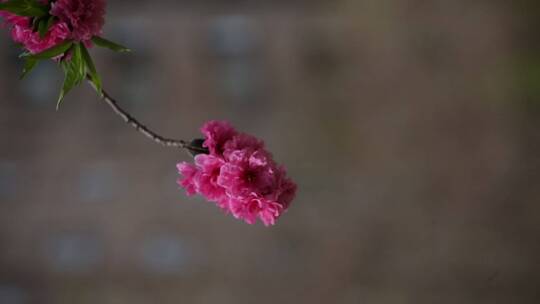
(77, 20)
(85, 18)
(239, 175)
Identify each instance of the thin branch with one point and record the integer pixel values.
(132, 121)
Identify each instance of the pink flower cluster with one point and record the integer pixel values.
(78, 20)
(239, 175)
(85, 17)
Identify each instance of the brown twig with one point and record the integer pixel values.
(130, 120)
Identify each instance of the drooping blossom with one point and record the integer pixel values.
(239, 175)
(249, 171)
(77, 20)
(189, 172)
(217, 134)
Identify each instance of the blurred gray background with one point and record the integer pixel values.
(412, 128)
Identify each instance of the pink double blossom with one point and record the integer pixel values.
(239, 175)
(22, 32)
(77, 20)
(85, 17)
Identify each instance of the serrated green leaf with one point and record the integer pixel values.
(44, 26)
(25, 54)
(102, 42)
(77, 61)
(74, 71)
(29, 65)
(91, 67)
(51, 52)
(28, 8)
(35, 23)
(70, 81)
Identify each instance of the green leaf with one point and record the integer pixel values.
(25, 54)
(78, 61)
(44, 25)
(35, 23)
(29, 65)
(29, 8)
(70, 81)
(74, 71)
(51, 52)
(94, 76)
(102, 42)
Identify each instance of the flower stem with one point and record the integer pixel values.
(139, 127)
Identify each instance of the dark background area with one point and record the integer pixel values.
(411, 127)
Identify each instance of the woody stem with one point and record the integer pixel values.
(141, 128)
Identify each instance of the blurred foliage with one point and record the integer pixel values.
(527, 52)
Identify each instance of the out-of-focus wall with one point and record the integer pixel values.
(410, 126)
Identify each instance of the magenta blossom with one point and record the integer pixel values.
(190, 175)
(217, 134)
(239, 175)
(78, 20)
(249, 172)
(22, 32)
(85, 17)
